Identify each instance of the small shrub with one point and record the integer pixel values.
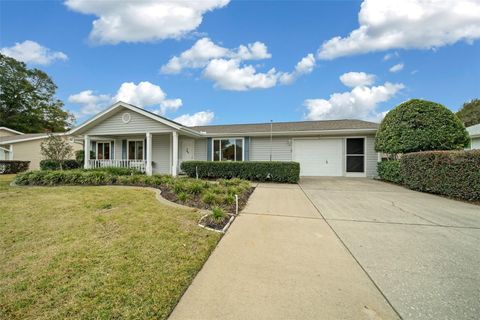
(13, 166)
(80, 156)
(217, 190)
(228, 199)
(196, 187)
(179, 187)
(182, 196)
(55, 165)
(389, 170)
(274, 171)
(218, 215)
(451, 173)
(210, 198)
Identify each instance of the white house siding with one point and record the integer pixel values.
(201, 149)
(475, 144)
(372, 157)
(138, 124)
(161, 153)
(260, 149)
(282, 151)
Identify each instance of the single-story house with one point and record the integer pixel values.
(128, 136)
(474, 132)
(15, 145)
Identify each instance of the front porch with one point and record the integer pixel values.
(148, 152)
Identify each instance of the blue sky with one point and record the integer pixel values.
(438, 66)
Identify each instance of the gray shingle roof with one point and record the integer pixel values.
(345, 124)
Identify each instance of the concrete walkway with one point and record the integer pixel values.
(280, 260)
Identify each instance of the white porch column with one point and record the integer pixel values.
(10, 154)
(148, 168)
(86, 150)
(174, 153)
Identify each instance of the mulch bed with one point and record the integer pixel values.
(215, 224)
(195, 201)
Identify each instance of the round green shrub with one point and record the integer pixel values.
(389, 170)
(419, 125)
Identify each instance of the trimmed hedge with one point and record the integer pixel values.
(69, 164)
(13, 166)
(451, 173)
(274, 171)
(389, 170)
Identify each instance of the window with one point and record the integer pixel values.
(103, 150)
(355, 155)
(228, 149)
(135, 150)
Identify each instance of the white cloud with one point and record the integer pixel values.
(252, 51)
(229, 75)
(90, 102)
(32, 52)
(225, 66)
(201, 118)
(204, 50)
(142, 21)
(390, 56)
(304, 66)
(355, 79)
(420, 24)
(396, 68)
(359, 103)
(143, 94)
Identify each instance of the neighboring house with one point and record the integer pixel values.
(26, 147)
(5, 149)
(127, 136)
(474, 132)
(7, 132)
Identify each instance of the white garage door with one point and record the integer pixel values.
(319, 157)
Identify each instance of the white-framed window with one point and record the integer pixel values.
(228, 149)
(103, 150)
(135, 149)
(355, 155)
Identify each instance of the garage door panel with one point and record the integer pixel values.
(322, 157)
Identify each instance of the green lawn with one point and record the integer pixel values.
(94, 252)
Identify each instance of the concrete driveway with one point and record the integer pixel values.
(281, 260)
(421, 250)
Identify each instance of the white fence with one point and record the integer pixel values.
(139, 165)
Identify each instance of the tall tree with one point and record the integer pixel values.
(470, 112)
(27, 99)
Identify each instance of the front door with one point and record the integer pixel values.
(187, 150)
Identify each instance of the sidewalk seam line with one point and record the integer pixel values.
(351, 253)
(403, 223)
(279, 215)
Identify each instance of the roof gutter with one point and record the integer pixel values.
(294, 133)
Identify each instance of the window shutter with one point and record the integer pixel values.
(94, 149)
(209, 149)
(124, 149)
(246, 146)
(112, 150)
(145, 149)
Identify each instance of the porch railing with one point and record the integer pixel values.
(139, 165)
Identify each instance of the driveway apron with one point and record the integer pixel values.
(421, 250)
(281, 260)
